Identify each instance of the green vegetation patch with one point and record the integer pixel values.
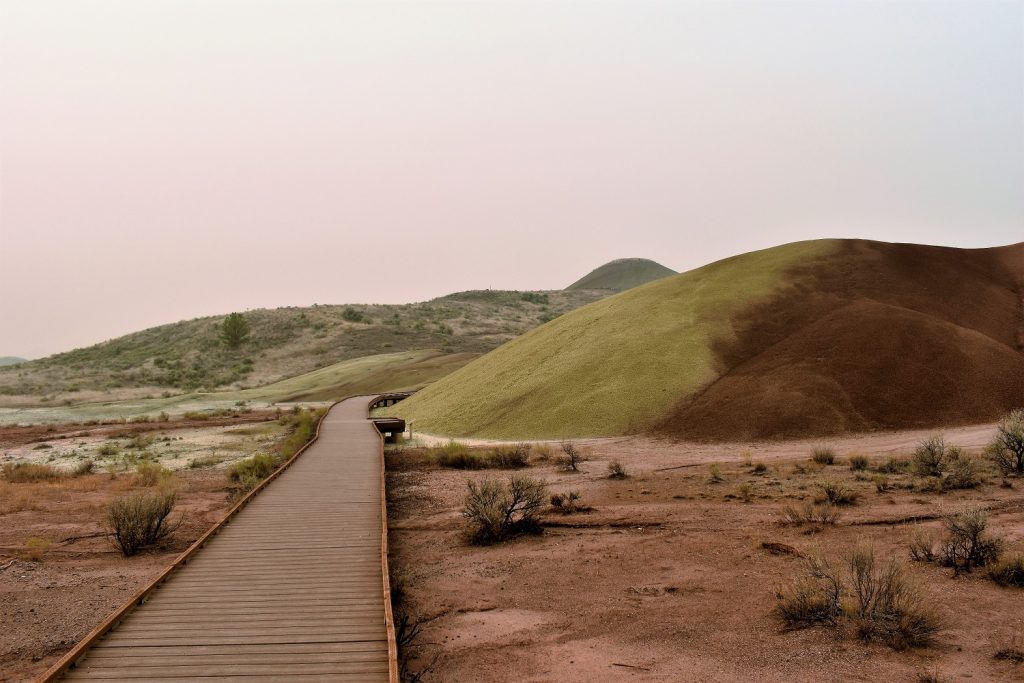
(614, 366)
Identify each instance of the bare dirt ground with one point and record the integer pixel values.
(48, 605)
(667, 578)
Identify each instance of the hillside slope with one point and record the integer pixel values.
(622, 274)
(188, 356)
(810, 338)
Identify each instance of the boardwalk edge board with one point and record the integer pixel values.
(77, 653)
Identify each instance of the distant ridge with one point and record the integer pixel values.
(622, 274)
(11, 360)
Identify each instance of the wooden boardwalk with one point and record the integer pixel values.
(291, 589)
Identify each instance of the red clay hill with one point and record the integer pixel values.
(875, 336)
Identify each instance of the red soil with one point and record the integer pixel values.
(874, 336)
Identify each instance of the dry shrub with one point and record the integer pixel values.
(929, 459)
(83, 468)
(568, 502)
(967, 545)
(29, 472)
(36, 549)
(572, 456)
(616, 470)
(1007, 450)
(245, 475)
(823, 455)
(1009, 572)
(922, 546)
(714, 473)
(510, 457)
(12, 500)
(456, 456)
(496, 510)
(150, 474)
(837, 493)
(881, 483)
(810, 513)
(140, 519)
(1010, 653)
(813, 598)
(887, 606)
(759, 468)
(963, 472)
(884, 604)
(858, 463)
(894, 465)
(543, 452)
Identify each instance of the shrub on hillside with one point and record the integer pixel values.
(139, 520)
(495, 511)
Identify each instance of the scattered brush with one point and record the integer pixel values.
(929, 459)
(759, 468)
(715, 473)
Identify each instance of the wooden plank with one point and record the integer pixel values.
(294, 587)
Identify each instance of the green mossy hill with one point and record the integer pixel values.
(613, 366)
(622, 274)
(191, 355)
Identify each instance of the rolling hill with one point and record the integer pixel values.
(810, 338)
(10, 360)
(622, 274)
(188, 357)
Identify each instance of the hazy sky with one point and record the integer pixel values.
(165, 160)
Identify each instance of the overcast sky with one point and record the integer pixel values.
(165, 160)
